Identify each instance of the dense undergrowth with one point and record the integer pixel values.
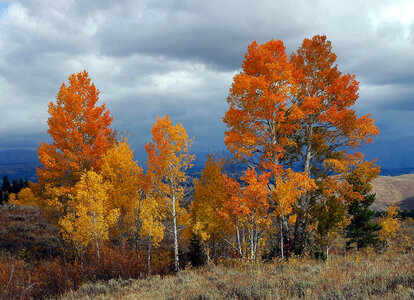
(356, 276)
(25, 279)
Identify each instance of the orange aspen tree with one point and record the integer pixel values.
(80, 136)
(168, 159)
(328, 125)
(295, 111)
(263, 116)
(255, 197)
(246, 206)
(233, 212)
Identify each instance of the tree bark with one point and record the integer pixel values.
(176, 258)
(281, 240)
(149, 255)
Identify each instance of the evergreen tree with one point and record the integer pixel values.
(21, 184)
(5, 197)
(196, 251)
(15, 186)
(362, 230)
(6, 185)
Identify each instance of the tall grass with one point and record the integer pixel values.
(357, 276)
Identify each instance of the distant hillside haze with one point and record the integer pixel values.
(18, 163)
(14, 156)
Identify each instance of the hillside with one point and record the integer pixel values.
(394, 190)
(25, 228)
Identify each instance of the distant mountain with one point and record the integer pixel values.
(397, 190)
(18, 163)
(397, 171)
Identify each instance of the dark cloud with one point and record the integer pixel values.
(152, 58)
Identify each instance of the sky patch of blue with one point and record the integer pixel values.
(3, 7)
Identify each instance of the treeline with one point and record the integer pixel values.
(283, 112)
(15, 187)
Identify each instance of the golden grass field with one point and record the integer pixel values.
(356, 276)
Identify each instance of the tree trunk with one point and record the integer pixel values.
(98, 252)
(238, 241)
(149, 255)
(281, 240)
(299, 235)
(300, 224)
(176, 259)
(252, 240)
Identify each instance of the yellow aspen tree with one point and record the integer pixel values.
(209, 194)
(168, 159)
(25, 197)
(122, 173)
(89, 218)
(126, 192)
(390, 224)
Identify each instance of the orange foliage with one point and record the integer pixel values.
(262, 114)
(325, 97)
(81, 135)
(247, 210)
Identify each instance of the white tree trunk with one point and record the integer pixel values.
(281, 240)
(174, 215)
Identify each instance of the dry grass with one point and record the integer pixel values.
(357, 276)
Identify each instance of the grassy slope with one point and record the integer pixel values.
(386, 276)
(25, 228)
(396, 189)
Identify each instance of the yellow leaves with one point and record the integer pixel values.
(289, 186)
(292, 219)
(123, 174)
(25, 197)
(390, 224)
(90, 217)
(209, 194)
(150, 216)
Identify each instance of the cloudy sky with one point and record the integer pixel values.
(152, 58)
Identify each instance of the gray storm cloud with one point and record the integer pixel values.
(153, 58)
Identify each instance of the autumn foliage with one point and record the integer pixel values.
(80, 134)
(294, 135)
(168, 159)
